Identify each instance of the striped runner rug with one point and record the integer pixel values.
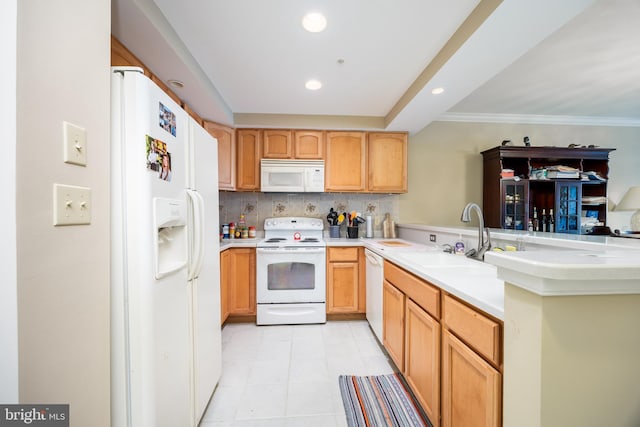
(379, 401)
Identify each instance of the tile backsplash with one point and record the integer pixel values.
(258, 206)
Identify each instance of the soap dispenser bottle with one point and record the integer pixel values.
(458, 248)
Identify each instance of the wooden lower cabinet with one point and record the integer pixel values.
(342, 294)
(449, 352)
(225, 266)
(393, 323)
(241, 280)
(422, 359)
(345, 280)
(471, 387)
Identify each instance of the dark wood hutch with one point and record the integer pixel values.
(509, 202)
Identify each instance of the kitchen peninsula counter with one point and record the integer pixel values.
(570, 335)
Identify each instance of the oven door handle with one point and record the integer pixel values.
(291, 251)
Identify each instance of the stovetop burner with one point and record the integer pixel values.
(292, 232)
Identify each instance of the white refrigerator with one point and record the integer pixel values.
(165, 265)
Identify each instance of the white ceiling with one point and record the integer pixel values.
(245, 62)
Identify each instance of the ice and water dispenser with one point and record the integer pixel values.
(170, 235)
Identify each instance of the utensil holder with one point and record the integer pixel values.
(352, 232)
(334, 231)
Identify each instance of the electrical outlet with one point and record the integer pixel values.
(71, 205)
(75, 144)
(432, 237)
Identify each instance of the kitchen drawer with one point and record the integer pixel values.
(421, 292)
(477, 330)
(343, 254)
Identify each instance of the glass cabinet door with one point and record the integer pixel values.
(568, 206)
(514, 204)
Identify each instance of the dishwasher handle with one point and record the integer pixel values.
(373, 258)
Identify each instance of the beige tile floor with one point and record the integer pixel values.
(287, 375)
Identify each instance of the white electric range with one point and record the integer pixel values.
(291, 272)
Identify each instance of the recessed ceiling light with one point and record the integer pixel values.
(314, 22)
(437, 91)
(175, 83)
(313, 85)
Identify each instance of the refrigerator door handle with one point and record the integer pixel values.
(197, 241)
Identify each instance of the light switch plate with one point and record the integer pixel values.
(71, 205)
(75, 144)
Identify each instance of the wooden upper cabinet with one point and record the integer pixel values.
(121, 56)
(387, 162)
(226, 154)
(287, 144)
(277, 144)
(345, 161)
(248, 142)
(308, 144)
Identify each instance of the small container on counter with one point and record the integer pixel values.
(369, 232)
(245, 233)
(232, 230)
(225, 231)
(252, 232)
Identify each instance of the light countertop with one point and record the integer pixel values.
(554, 272)
(472, 281)
(469, 280)
(558, 265)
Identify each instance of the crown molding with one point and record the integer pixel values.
(540, 119)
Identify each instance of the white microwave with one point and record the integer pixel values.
(292, 176)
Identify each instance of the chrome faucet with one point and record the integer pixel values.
(483, 246)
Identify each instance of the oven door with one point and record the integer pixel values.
(290, 275)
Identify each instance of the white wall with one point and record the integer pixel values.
(445, 164)
(8, 302)
(63, 272)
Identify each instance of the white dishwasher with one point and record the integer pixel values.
(375, 276)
